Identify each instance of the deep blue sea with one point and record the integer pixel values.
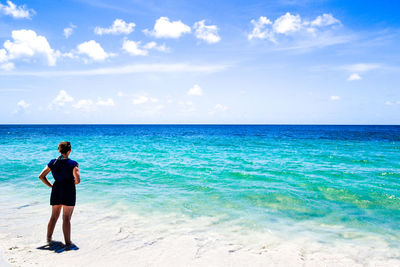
(336, 181)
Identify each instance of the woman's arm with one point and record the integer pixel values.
(43, 174)
(77, 175)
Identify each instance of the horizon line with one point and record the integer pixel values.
(199, 124)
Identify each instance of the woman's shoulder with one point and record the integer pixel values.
(51, 162)
(72, 163)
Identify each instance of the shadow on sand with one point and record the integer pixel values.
(57, 247)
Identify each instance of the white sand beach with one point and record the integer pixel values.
(116, 237)
(3, 263)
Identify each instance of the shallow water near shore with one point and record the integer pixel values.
(317, 188)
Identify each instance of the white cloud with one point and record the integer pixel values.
(140, 100)
(287, 23)
(89, 105)
(105, 103)
(118, 27)
(219, 108)
(61, 99)
(354, 77)
(69, 55)
(136, 49)
(163, 28)
(150, 45)
(132, 48)
(84, 105)
(17, 12)
(26, 43)
(69, 30)
(155, 46)
(124, 70)
(324, 20)
(335, 97)
(259, 29)
(93, 50)
(22, 104)
(147, 105)
(195, 90)
(207, 33)
(3, 55)
(304, 33)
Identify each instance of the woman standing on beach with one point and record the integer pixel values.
(63, 195)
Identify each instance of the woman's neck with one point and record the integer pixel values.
(64, 156)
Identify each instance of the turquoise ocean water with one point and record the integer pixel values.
(332, 181)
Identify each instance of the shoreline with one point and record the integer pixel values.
(103, 237)
(192, 124)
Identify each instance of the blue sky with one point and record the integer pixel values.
(311, 62)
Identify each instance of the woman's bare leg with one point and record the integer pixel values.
(55, 213)
(67, 213)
